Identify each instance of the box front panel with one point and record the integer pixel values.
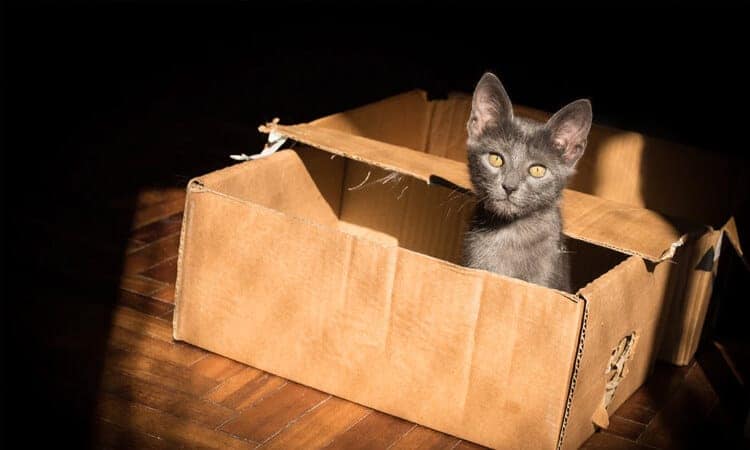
(627, 309)
(692, 294)
(475, 355)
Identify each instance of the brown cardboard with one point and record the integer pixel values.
(370, 321)
(599, 221)
(334, 265)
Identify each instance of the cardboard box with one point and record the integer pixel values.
(334, 264)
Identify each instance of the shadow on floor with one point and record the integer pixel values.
(102, 103)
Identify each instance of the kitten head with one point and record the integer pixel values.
(517, 165)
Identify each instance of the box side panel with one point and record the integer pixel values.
(447, 134)
(630, 299)
(655, 174)
(372, 198)
(327, 171)
(588, 262)
(636, 231)
(447, 137)
(269, 181)
(429, 219)
(697, 264)
(479, 356)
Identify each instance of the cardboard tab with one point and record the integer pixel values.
(601, 417)
(730, 230)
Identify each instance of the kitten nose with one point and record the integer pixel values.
(509, 188)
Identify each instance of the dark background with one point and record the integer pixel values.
(100, 101)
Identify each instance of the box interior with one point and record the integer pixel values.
(388, 207)
(621, 166)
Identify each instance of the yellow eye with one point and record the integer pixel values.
(495, 160)
(537, 171)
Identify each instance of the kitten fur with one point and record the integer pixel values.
(516, 229)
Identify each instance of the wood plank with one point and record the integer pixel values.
(137, 284)
(165, 294)
(231, 385)
(676, 425)
(164, 399)
(606, 441)
(157, 230)
(134, 416)
(244, 389)
(424, 438)
(165, 271)
(168, 316)
(134, 245)
(151, 255)
(376, 431)
(176, 353)
(661, 385)
(110, 436)
(625, 428)
(144, 304)
(319, 426)
(270, 415)
(721, 367)
(154, 213)
(154, 196)
(217, 367)
(143, 324)
(635, 413)
(158, 372)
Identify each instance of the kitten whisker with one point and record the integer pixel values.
(464, 203)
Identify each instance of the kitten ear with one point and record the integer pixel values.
(489, 106)
(569, 130)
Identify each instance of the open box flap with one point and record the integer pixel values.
(627, 229)
(624, 228)
(417, 164)
(623, 166)
(730, 230)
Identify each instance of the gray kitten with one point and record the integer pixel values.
(519, 168)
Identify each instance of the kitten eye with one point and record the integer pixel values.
(495, 160)
(537, 171)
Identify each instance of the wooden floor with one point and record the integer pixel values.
(157, 393)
